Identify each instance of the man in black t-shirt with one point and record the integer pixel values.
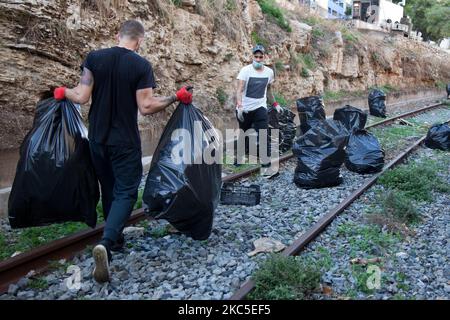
(121, 83)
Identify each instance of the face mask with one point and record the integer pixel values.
(257, 65)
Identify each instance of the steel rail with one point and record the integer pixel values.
(300, 243)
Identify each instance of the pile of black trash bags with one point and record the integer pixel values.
(185, 193)
(363, 153)
(438, 137)
(377, 103)
(311, 111)
(327, 144)
(55, 180)
(284, 122)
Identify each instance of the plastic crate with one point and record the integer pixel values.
(240, 195)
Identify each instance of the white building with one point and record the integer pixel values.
(445, 44)
(378, 12)
(330, 9)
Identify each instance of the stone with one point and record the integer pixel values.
(12, 289)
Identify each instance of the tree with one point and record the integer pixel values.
(431, 17)
(438, 22)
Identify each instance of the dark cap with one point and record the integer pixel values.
(259, 48)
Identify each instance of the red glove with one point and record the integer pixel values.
(184, 96)
(276, 106)
(59, 93)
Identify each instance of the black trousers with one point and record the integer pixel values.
(119, 170)
(256, 119)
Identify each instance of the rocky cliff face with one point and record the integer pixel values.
(44, 42)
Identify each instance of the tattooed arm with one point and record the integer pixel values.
(148, 104)
(82, 93)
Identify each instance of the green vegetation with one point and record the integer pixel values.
(311, 21)
(230, 5)
(228, 163)
(29, 238)
(338, 95)
(221, 96)
(160, 232)
(281, 99)
(279, 66)
(257, 39)
(270, 8)
(304, 73)
(386, 88)
(399, 207)
(318, 33)
(308, 60)
(228, 57)
(416, 180)
(334, 95)
(304, 62)
(38, 284)
(431, 17)
(285, 278)
(138, 203)
(348, 11)
(400, 277)
(393, 137)
(440, 84)
(361, 276)
(366, 239)
(350, 36)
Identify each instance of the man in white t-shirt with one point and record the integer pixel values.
(254, 87)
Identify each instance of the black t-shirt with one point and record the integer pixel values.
(118, 73)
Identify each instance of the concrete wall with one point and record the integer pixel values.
(362, 25)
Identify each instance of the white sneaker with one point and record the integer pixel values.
(101, 269)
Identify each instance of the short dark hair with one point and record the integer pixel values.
(132, 29)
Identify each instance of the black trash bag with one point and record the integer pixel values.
(364, 153)
(352, 118)
(288, 129)
(310, 110)
(185, 194)
(448, 89)
(284, 122)
(320, 153)
(55, 180)
(377, 103)
(438, 137)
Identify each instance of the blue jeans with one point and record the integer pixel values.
(119, 170)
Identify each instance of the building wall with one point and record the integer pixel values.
(331, 9)
(336, 9)
(389, 10)
(386, 10)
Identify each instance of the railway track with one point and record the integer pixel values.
(299, 244)
(15, 268)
